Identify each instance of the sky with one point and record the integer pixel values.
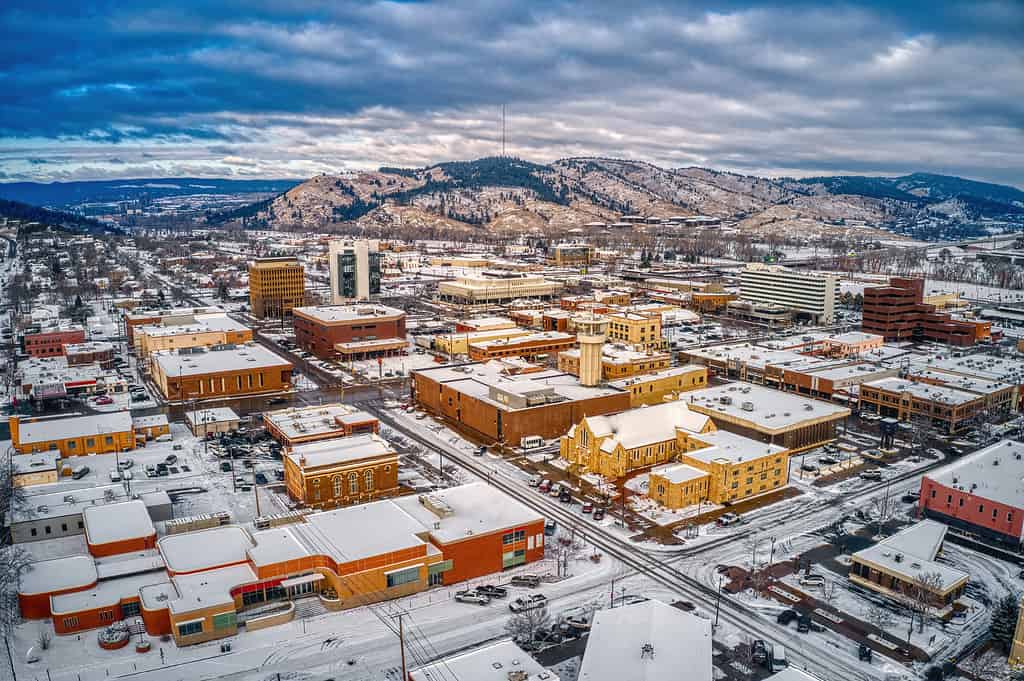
(293, 88)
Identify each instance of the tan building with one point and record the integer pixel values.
(485, 290)
(720, 466)
(458, 343)
(191, 331)
(341, 471)
(640, 330)
(617, 362)
(664, 385)
(34, 469)
(572, 254)
(300, 425)
(230, 372)
(276, 285)
(536, 345)
(74, 435)
(852, 344)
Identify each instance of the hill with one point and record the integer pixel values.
(510, 195)
(65, 194)
(25, 213)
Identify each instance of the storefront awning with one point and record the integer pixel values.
(304, 579)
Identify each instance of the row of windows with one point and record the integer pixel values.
(513, 537)
(47, 530)
(337, 483)
(981, 507)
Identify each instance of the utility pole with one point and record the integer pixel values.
(718, 600)
(401, 645)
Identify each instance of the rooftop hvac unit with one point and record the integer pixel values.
(748, 406)
(725, 399)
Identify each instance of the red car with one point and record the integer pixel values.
(103, 399)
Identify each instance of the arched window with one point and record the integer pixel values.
(368, 480)
(337, 486)
(353, 483)
(316, 489)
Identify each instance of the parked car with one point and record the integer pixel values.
(812, 580)
(759, 652)
(531, 602)
(872, 474)
(588, 507)
(277, 400)
(544, 486)
(550, 527)
(809, 467)
(151, 471)
(787, 616)
(727, 519)
(171, 459)
(864, 653)
(565, 496)
(225, 466)
(534, 481)
(529, 581)
(125, 464)
(778, 659)
(115, 476)
(828, 460)
(103, 399)
(598, 513)
(910, 497)
(260, 478)
(471, 597)
(80, 472)
(803, 625)
(480, 451)
(492, 591)
(555, 491)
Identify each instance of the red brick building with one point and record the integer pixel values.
(898, 312)
(981, 493)
(51, 343)
(350, 330)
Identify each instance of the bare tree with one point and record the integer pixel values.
(13, 561)
(883, 508)
(986, 665)
(830, 591)
(523, 626)
(919, 597)
(879, 616)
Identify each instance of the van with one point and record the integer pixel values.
(115, 476)
(534, 481)
(80, 472)
(166, 437)
(727, 519)
(778, 658)
(531, 442)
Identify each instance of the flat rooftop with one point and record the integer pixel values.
(212, 415)
(339, 450)
(911, 553)
(337, 314)
(238, 358)
(203, 323)
(542, 337)
(117, 522)
(678, 472)
(204, 549)
(769, 410)
(468, 510)
(93, 425)
(625, 383)
(731, 447)
(493, 662)
(924, 391)
(855, 337)
(58, 574)
(209, 588)
(979, 472)
(357, 532)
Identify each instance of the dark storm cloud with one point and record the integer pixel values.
(302, 87)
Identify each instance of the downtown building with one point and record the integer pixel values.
(808, 295)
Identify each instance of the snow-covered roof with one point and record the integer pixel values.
(854, 337)
(465, 511)
(65, 503)
(211, 415)
(276, 545)
(106, 593)
(93, 425)
(625, 383)
(241, 357)
(925, 391)
(150, 421)
(493, 662)
(763, 408)
(357, 532)
(202, 590)
(34, 463)
(723, 444)
(678, 472)
(995, 473)
(911, 553)
(315, 420)
(47, 576)
(647, 425)
(680, 644)
(117, 522)
(333, 314)
(340, 450)
(792, 674)
(205, 549)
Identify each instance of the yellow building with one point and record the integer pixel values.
(572, 254)
(74, 436)
(201, 330)
(497, 290)
(640, 330)
(704, 464)
(617, 362)
(458, 343)
(1017, 649)
(276, 285)
(663, 385)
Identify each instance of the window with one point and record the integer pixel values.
(109, 440)
(70, 622)
(90, 442)
(337, 485)
(353, 483)
(129, 609)
(72, 444)
(400, 577)
(316, 489)
(507, 538)
(224, 620)
(981, 508)
(63, 527)
(34, 532)
(106, 616)
(47, 529)
(661, 490)
(961, 501)
(368, 480)
(190, 628)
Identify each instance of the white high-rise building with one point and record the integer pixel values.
(812, 294)
(355, 269)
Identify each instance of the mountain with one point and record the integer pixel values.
(23, 212)
(512, 196)
(66, 194)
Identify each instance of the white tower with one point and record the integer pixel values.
(590, 333)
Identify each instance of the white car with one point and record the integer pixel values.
(472, 597)
(812, 580)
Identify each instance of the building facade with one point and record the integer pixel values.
(528, 347)
(51, 343)
(276, 285)
(229, 372)
(73, 436)
(341, 471)
(811, 295)
(355, 270)
(639, 330)
(343, 330)
(657, 387)
(898, 312)
(493, 288)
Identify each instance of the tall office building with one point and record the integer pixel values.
(355, 270)
(811, 295)
(276, 285)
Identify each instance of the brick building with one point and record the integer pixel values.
(75, 435)
(898, 312)
(527, 347)
(484, 401)
(341, 471)
(947, 408)
(229, 372)
(298, 425)
(51, 343)
(100, 352)
(351, 331)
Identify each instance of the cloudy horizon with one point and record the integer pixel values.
(247, 89)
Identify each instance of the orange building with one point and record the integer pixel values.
(528, 347)
(276, 286)
(74, 436)
(298, 425)
(341, 471)
(225, 372)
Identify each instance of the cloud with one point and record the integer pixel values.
(292, 89)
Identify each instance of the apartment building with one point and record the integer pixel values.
(810, 295)
(276, 285)
(51, 343)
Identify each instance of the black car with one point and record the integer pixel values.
(864, 653)
(804, 624)
(787, 616)
(598, 513)
(565, 496)
(910, 498)
(492, 591)
(277, 400)
(260, 478)
(171, 459)
(225, 466)
(530, 581)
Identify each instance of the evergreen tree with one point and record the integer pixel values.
(1004, 622)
